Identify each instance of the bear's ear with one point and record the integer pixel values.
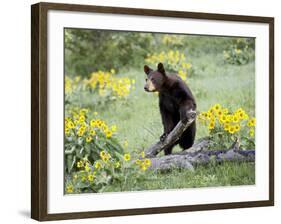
(161, 69)
(146, 69)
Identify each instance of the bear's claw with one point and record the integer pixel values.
(163, 137)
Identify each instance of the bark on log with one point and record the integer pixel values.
(199, 145)
(172, 137)
(188, 160)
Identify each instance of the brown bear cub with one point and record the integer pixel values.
(175, 101)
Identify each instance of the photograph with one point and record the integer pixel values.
(150, 111)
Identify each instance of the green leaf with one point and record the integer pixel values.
(69, 161)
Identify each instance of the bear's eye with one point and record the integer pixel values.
(152, 79)
(146, 79)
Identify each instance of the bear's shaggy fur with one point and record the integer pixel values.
(175, 101)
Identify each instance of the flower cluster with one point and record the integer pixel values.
(218, 118)
(143, 163)
(97, 175)
(78, 125)
(106, 83)
(71, 84)
(86, 135)
(174, 60)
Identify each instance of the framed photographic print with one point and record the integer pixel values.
(139, 111)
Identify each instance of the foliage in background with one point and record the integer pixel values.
(173, 41)
(101, 88)
(93, 50)
(173, 61)
(240, 52)
(225, 127)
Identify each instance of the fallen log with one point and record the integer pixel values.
(172, 137)
(188, 160)
(200, 145)
(198, 154)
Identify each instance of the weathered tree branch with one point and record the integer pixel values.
(190, 159)
(172, 137)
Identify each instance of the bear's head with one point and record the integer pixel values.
(155, 79)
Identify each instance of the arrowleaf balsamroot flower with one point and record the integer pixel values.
(127, 157)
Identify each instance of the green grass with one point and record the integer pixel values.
(227, 174)
(138, 121)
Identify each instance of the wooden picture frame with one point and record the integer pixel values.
(39, 110)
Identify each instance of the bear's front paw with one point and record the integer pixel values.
(163, 137)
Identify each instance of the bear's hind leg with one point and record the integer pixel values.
(168, 151)
(188, 137)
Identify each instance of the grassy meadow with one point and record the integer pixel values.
(138, 123)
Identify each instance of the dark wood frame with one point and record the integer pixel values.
(39, 110)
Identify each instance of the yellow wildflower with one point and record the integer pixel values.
(88, 139)
(252, 132)
(113, 128)
(229, 118)
(237, 51)
(70, 124)
(117, 164)
(82, 119)
(217, 107)
(84, 178)
(108, 134)
(93, 132)
(252, 122)
(81, 131)
(147, 162)
(127, 157)
(235, 119)
(237, 127)
(231, 129)
(143, 167)
(87, 167)
(223, 118)
(80, 164)
(90, 177)
(105, 158)
(83, 111)
(93, 123)
(211, 125)
(225, 111)
(102, 153)
(226, 126)
(69, 188)
(97, 165)
(67, 131)
(219, 112)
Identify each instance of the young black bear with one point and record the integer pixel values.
(175, 100)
